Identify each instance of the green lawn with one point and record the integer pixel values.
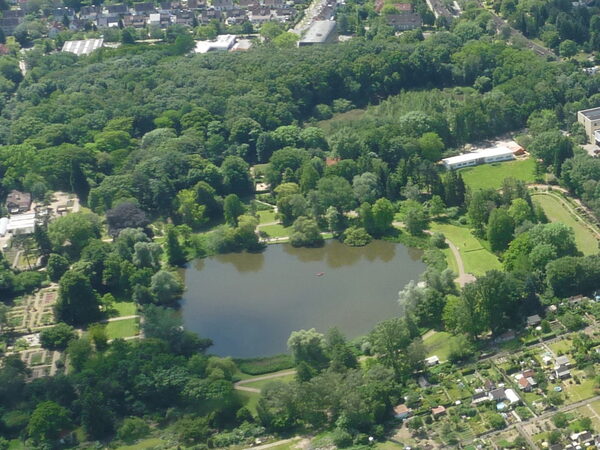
(556, 212)
(249, 400)
(124, 308)
(338, 119)
(492, 175)
(578, 392)
(266, 216)
(476, 259)
(563, 346)
(437, 343)
(262, 383)
(122, 328)
(146, 444)
(275, 231)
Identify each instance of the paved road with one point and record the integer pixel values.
(240, 384)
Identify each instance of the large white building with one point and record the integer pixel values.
(21, 223)
(84, 47)
(486, 156)
(223, 42)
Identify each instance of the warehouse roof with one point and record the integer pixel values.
(84, 47)
(319, 31)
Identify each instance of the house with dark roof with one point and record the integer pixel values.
(404, 22)
(18, 202)
(497, 395)
(533, 321)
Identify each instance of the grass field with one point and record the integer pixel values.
(492, 175)
(266, 216)
(146, 444)
(275, 231)
(561, 347)
(556, 212)
(262, 383)
(125, 308)
(437, 343)
(122, 328)
(476, 259)
(249, 400)
(329, 125)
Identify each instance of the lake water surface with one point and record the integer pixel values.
(249, 303)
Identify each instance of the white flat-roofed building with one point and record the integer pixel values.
(84, 47)
(320, 32)
(21, 224)
(489, 155)
(223, 42)
(590, 119)
(3, 226)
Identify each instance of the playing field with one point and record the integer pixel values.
(492, 175)
(557, 212)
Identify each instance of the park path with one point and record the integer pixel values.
(274, 444)
(116, 319)
(463, 277)
(240, 384)
(544, 190)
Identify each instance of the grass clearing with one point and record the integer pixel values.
(124, 308)
(476, 259)
(492, 175)
(277, 231)
(266, 216)
(262, 383)
(561, 347)
(249, 400)
(438, 343)
(338, 119)
(582, 391)
(123, 328)
(557, 212)
(146, 444)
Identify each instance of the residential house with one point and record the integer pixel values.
(480, 397)
(582, 438)
(90, 12)
(208, 15)
(576, 300)
(247, 3)
(497, 395)
(534, 321)
(489, 385)
(512, 396)
(561, 367)
(114, 10)
(234, 16)
(404, 22)
(402, 412)
(18, 202)
(223, 5)
(184, 17)
(438, 411)
(131, 20)
(259, 15)
(143, 8)
(526, 384)
(274, 3)
(107, 22)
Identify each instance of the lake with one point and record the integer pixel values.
(249, 303)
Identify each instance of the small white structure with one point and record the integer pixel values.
(489, 155)
(3, 226)
(21, 224)
(432, 361)
(223, 42)
(512, 396)
(84, 47)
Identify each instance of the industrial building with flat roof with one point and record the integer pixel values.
(486, 156)
(590, 119)
(84, 47)
(223, 42)
(320, 32)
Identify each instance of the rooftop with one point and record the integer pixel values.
(84, 47)
(591, 114)
(486, 153)
(319, 31)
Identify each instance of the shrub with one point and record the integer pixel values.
(341, 438)
(259, 366)
(356, 237)
(132, 429)
(438, 240)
